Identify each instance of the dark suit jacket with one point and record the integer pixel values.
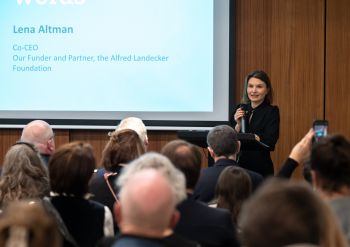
(135, 241)
(264, 121)
(205, 188)
(208, 226)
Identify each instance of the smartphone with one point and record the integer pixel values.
(320, 128)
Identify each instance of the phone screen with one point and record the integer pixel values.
(320, 128)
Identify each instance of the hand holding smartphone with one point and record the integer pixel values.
(320, 128)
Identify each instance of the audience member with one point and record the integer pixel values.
(122, 147)
(136, 124)
(163, 165)
(70, 169)
(223, 146)
(233, 188)
(26, 223)
(198, 222)
(41, 135)
(146, 209)
(330, 168)
(23, 175)
(176, 180)
(285, 213)
(299, 155)
(131, 123)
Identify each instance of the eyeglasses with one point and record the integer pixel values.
(106, 176)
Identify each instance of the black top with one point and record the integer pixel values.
(100, 191)
(84, 219)
(137, 241)
(175, 240)
(263, 121)
(205, 188)
(208, 226)
(287, 168)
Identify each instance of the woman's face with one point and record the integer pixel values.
(256, 91)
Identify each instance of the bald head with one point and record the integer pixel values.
(40, 134)
(147, 204)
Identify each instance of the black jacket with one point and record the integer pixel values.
(208, 226)
(205, 188)
(263, 121)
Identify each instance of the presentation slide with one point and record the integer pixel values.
(107, 59)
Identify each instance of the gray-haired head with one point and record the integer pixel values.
(223, 140)
(162, 164)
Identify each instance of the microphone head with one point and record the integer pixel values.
(244, 107)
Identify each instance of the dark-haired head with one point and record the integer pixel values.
(282, 213)
(186, 157)
(234, 186)
(71, 168)
(330, 160)
(261, 75)
(123, 147)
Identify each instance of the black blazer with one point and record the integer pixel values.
(208, 226)
(84, 219)
(137, 241)
(205, 188)
(263, 121)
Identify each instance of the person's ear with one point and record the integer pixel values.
(238, 147)
(174, 219)
(117, 212)
(146, 141)
(51, 145)
(211, 152)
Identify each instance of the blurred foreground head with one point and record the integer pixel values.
(283, 213)
(27, 224)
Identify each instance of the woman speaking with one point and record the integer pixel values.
(256, 115)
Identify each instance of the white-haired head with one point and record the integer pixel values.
(135, 124)
(147, 204)
(39, 133)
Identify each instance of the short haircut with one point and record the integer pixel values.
(147, 200)
(223, 140)
(330, 159)
(37, 131)
(233, 188)
(186, 157)
(281, 213)
(71, 168)
(163, 165)
(23, 174)
(136, 124)
(122, 147)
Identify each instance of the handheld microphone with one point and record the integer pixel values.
(244, 108)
